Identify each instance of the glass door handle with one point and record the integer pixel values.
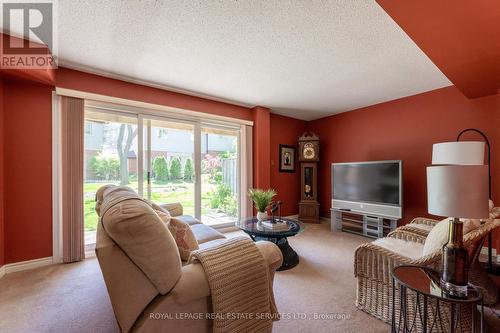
(149, 177)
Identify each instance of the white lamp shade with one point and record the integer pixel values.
(458, 191)
(458, 153)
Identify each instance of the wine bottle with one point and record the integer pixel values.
(454, 276)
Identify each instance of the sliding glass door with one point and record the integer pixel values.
(169, 162)
(219, 175)
(110, 157)
(165, 160)
(195, 164)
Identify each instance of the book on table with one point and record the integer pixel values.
(276, 226)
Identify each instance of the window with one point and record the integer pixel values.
(219, 175)
(88, 128)
(166, 160)
(169, 162)
(110, 157)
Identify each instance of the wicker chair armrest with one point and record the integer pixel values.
(376, 262)
(424, 220)
(407, 236)
(482, 231)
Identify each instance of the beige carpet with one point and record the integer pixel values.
(73, 297)
(323, 283)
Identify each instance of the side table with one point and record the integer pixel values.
(422, 306)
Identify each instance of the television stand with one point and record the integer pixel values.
(368, 225)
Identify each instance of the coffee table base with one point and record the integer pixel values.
(290, 257)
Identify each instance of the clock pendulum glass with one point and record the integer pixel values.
(308, 183)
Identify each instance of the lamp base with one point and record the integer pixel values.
(454, 290)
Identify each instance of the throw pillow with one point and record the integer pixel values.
(184, 237)
(438, 236)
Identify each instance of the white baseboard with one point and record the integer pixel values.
(25, 265)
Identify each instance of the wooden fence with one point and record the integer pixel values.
(230, 174)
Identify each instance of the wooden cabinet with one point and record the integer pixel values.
(309, 211)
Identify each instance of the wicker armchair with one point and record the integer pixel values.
(420, 226)
(477, 274)
(373, 265)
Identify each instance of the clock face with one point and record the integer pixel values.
(309, 153)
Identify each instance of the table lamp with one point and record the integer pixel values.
(468, 153)
(459, 191)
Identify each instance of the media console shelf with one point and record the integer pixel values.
(361, 223)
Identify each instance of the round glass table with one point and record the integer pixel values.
(258, 231)
(423, 305)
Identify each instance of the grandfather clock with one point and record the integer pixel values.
(308, 158)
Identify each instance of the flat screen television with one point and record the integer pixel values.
(369, 188)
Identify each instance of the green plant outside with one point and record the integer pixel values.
(223, 200)
(175, 168)
(173, 184)
(160, 169)
(105, 167)
(183, 192)
(188, 170)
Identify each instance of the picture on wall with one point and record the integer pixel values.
(287, 158)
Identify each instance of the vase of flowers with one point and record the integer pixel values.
(261, 200)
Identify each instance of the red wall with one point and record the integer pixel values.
(285, 130)
(460, 37)
(2, 239)
(401, 129)
(41, 75)
(71, 79)
(27, 156)
(406, 129)
(28, 169)
(261, 150)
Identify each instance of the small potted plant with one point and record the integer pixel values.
(261, 200)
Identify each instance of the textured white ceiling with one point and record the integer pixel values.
(305, 59)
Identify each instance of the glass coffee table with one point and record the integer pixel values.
(257, 231)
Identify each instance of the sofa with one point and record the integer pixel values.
(150, 288)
